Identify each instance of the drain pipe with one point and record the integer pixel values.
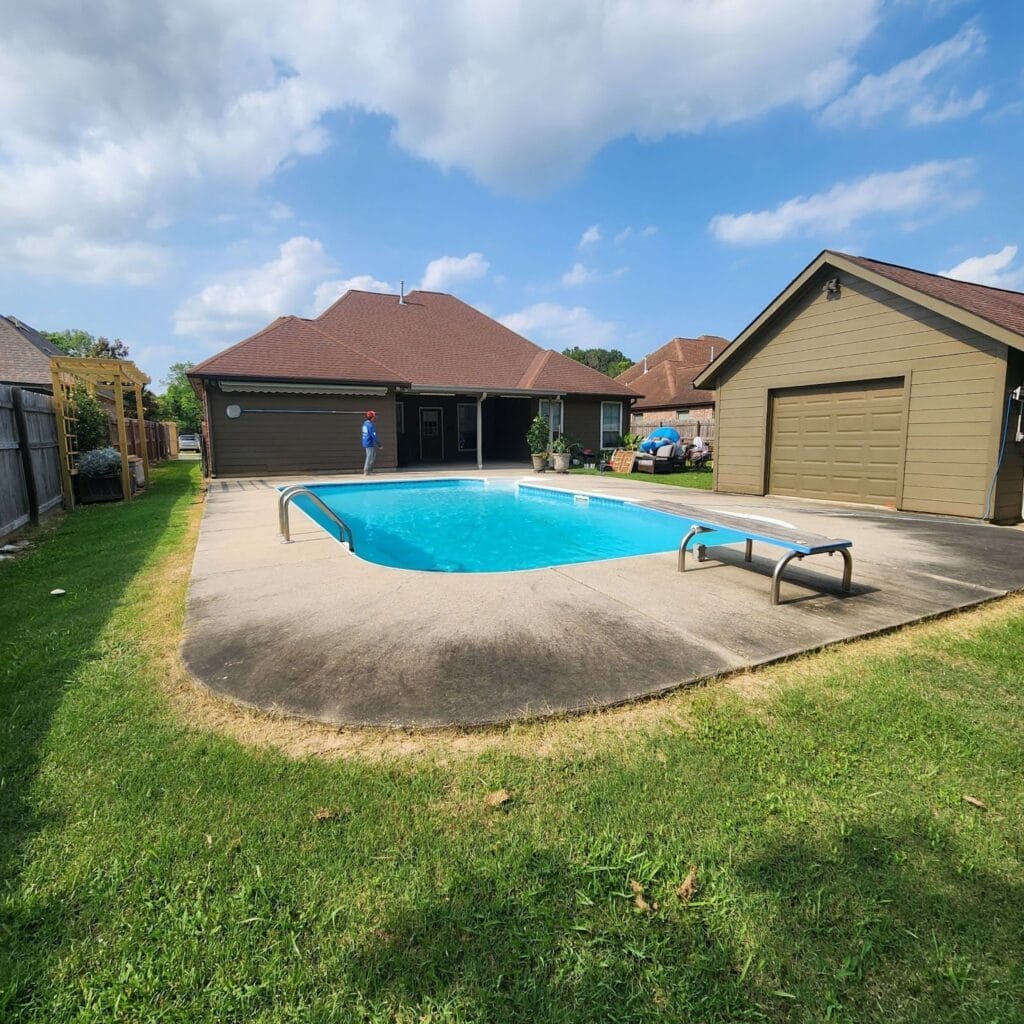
(480, 430)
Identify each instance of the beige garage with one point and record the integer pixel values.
(871, 383)
(838, 441)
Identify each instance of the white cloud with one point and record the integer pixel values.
(579, 274)
(328, 292)
(582, 274)
(244, 300)
(590, 237)
(122, 117)
(930, 188)
(448, 271)
(905, 86)
(627, 233)
(280, 211)
(557, 326)
(64, 253)
(995, 269)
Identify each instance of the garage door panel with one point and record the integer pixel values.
(842, 442)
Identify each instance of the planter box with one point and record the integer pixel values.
(89, 489)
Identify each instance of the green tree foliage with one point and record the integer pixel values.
(609, 361)
(179, 401)
(91, 427)
(86, 346)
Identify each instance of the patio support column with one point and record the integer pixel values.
(480, 430)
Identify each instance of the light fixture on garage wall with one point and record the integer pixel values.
(832, 289)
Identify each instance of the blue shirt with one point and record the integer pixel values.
(370, 435)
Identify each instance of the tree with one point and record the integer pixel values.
(607, 361)
(179, 401)
(84, 345)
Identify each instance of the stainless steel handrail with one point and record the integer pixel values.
(296, 491)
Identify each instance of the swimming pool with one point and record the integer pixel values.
(493, 525)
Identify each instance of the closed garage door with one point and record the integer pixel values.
(839, 442)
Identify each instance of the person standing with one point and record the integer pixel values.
(370, 442)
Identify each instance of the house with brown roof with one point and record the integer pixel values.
(666, 379)
(25, 356)
(872, 383)
(447, 383)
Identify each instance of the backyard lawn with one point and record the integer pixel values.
(700, 480)
(795, 846)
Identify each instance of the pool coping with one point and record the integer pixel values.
(296, 630)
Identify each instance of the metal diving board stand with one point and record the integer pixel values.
(799, 543)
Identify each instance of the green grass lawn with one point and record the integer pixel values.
(153, 871)
(700, 480)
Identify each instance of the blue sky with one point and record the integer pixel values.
(603, 174)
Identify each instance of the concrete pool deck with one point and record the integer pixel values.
(310, 630)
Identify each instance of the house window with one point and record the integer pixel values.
(467, 426)
(681, 414)
(611, 424)
(551, 410)
(400, 417)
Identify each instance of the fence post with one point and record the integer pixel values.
(25, 451)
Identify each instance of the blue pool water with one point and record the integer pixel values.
(493, 526)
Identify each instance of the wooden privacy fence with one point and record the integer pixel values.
(644, 423)
(30, 480)
(161, 438)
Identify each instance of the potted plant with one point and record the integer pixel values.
(537, 441)
(561, 449)
(99, 476)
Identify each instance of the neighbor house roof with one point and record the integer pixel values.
(994, 312)
(665, 377)
(430, 340)
(24, 354)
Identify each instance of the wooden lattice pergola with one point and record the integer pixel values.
(120, 376)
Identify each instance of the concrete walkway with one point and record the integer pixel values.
(308, 629)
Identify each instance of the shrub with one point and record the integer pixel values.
(537, 436)
(91, 428)
(562, 444)
(101, 462)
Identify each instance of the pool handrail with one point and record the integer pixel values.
(297, 490)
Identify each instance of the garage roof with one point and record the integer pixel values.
(995, 312)
(429, 339)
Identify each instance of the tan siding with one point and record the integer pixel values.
(279, 442)
(956, 378)
(1009, 492)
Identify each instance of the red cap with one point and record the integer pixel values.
(370, 414)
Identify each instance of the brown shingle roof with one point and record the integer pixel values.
(433, 339)
(291, 348)
(24, 354)
(997, 305)
(668, 379)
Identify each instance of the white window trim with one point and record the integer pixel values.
(458, 432)
(600, 425)
(549, 402)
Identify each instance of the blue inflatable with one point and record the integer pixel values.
(656, 438)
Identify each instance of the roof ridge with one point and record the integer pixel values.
(532, 372)
(350, 348)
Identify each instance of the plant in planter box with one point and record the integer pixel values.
(562, 448)
(99, 476)
(92, 427)
(537, 442)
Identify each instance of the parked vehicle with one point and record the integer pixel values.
(188, 443)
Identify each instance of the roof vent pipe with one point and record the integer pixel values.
(401, 293)
(645, 364)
